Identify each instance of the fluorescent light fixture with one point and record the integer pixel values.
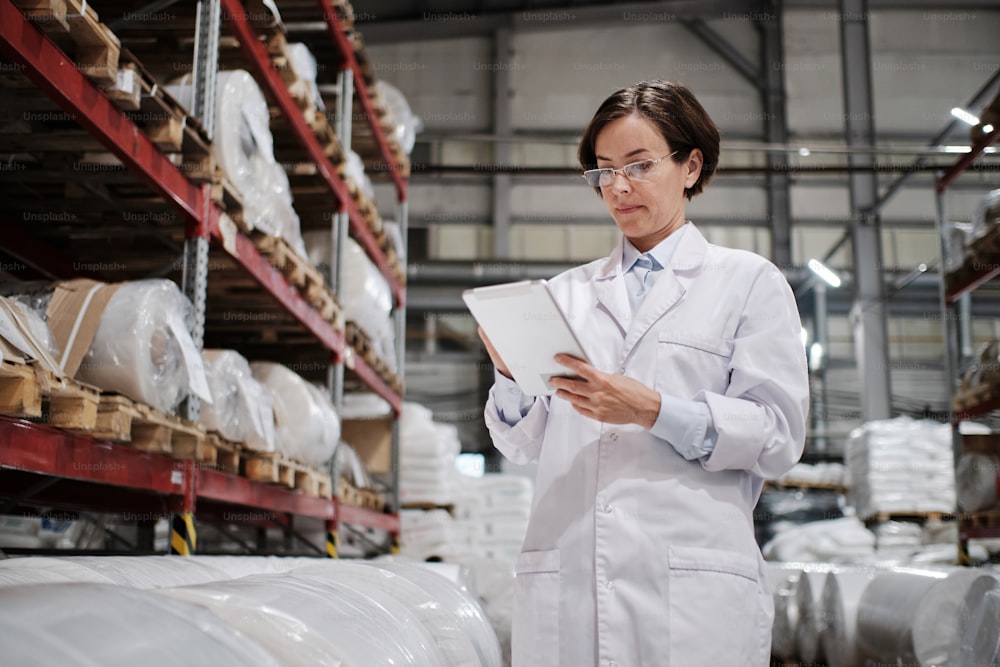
(820, 269)
(964, 116)
(987, 128)
(805, 152)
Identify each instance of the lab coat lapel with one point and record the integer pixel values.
(609, 285)
(669, 286)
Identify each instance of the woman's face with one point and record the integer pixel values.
(646, 211)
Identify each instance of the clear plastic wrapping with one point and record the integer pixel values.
(960, 235)
(347, 464)
(405, 123)
(137, 349)
(978, 481)
(303, 63)
(981, 642)
(842, 592)
(242, 410)
(307, 427)
(97, 624)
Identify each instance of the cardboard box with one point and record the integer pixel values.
(372, 440)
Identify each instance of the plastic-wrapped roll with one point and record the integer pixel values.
(842, 592)
(319, 250)
(808, 602)
(145, 571)
(981, 642)
(115, 626)
(977, 481)
(137, 349)
(36, 570)
(404, 121)
(307, 427)
(918, 617)
(305, 620)
(469, 616)
(303, 63)
(364, 293)
(241, 410)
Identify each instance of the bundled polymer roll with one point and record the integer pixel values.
(981, 642)
(842, 593)
(117, 626)
(307, 427)
(977, 481)
(242, 410)
(140, 343)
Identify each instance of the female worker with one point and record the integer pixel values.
(640, 550)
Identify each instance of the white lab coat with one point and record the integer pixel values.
(635, 556)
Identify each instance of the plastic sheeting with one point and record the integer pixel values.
(405, 123)
(918, 617)
(37, 570)
(306, 620)
(307, 427)
(811, 623)
(241, 410)
(844, 540)
(981, 641)
(977, 480)
(142, 346)
(96, 624)
(842, 593)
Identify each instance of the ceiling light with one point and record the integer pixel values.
(804, 152)
(820, 269)
(987, 128)
(964, 116)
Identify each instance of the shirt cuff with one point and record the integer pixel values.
(512, 404)
(687, 426)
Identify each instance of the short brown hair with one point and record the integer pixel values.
(683, 122)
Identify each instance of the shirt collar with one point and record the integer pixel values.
(662, 252)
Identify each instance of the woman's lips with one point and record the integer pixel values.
(628, 209)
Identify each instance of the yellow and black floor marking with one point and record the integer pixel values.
(394, 549)
(182, 535)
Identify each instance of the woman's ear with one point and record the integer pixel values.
(694, 163)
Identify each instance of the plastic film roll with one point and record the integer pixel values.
(808, 601)
(242, 410)
(842, 593)
(137, 349)
(977, 481)
(981, 641)
(307, 427)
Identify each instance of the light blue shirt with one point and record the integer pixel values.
(686, 425)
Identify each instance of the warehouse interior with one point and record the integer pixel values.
(240, 384)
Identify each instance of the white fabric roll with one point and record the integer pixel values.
(918, 617)
(307, 427)
(241, 410)
(977, 481)
(842, 592)
(97, 624)
(137, 349)
(981, 642)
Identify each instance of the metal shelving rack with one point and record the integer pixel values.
(102, 475)
(954, 286)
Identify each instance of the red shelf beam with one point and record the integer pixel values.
(56, 75)
(260, 63)
(350, 62)
(233, 490)
(361, 516)
(368, 375)
(969, 281)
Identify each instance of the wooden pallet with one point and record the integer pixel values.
(807, 486)
(75, 27)
(302, 275)
(920, 517)
(970, 398)
(120, 419)
(349, 494)
(229, 199)
(30, 392)
(361, 343)
(275, 468)
(227, 453)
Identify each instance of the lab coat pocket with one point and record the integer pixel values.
(535, 629)
(713, 609)
(691, 361)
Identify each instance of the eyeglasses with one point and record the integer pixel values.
(636, 171)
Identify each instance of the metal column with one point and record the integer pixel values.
(339, 223)
(821, 336)
(205, 71)
(503, 49)
(399, 320)
(869, 311)
(776, 129)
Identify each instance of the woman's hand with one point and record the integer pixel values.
(609, 398)
(494, 357)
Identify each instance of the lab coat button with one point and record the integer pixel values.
(607, 508)
(610, 586)
(613, 436)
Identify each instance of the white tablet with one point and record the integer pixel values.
(527, 328)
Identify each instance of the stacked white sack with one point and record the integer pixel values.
(901, 465)
(116, 626)
(492, 512)
(844, 540)
(842, 593)
(978, 481)
(242, 410)
(430, 534)
(816, 473)
(143, 348)
(898, 540)
(307, 427)
(918, 617)
(427, 454)
(244, 148)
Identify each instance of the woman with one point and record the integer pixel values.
(640, 549)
